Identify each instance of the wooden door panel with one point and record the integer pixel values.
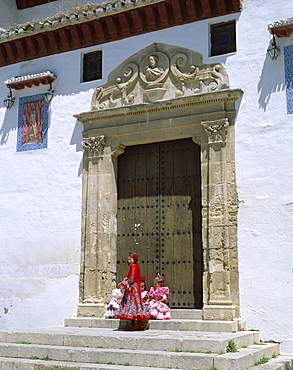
(136, 206)
(159, 216)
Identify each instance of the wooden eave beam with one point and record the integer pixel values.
(124, 24)
(19, 85)
(24, 4)
(150, 16)
(113, 27)
(42, 43)
(283, 31)
(75, 36)
(87, 34)
(191, 10)
(221, 5)
(177, 12)
(206, 8)
(137, 21)
(64, 38)
(21, 48)
(236, 5)
(99, 32)
(3, 54)
(10, 51)
(53, 43)
(164, 19)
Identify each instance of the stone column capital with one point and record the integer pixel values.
(94, 146)
(216, 130)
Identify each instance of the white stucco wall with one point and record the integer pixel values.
(8, 14)
(40, 191)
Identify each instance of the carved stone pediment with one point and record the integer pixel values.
(159, 72)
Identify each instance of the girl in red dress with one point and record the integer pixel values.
(132, 307)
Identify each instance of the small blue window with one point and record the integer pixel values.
(225, 40)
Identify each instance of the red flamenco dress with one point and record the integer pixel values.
(132, 307)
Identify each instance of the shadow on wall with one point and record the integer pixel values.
(270, 81)
(76, 139)
(9, 124)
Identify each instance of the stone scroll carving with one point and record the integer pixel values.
(107, 96)
(156, 73)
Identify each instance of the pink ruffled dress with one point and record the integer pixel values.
(159, 310)
(145, 295)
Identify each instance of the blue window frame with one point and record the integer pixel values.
(288, 55)
(32, 123)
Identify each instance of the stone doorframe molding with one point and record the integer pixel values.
(161, 93)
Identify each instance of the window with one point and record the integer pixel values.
(223, 38)
(92, 66)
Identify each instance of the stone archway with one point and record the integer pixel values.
(161, 93)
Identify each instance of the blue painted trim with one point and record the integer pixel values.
(35, 146)
(288, 55)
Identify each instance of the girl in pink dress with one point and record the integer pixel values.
(158, 298)
(145, 295)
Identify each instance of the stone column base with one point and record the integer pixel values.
(218, 312)
(91, 309)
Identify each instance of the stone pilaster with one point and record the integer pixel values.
(218, 304)
(98, 264)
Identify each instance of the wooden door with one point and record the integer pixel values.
(159, 216)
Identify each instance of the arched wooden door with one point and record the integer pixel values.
(159, 216)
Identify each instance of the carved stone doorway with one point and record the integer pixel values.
(162, 93)
(159, 216)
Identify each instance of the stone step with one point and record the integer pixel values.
(108, 338)
(180, 358)
(173, 324)
(186, 314)
(61, 348)
(245, 358)
(24, 364)
(278, 363)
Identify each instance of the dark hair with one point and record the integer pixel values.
(134, 256)
(145, 286)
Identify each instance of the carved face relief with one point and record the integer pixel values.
(154, 69)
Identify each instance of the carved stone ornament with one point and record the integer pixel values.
(156, 73)
(216, 130)
(94, 146)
